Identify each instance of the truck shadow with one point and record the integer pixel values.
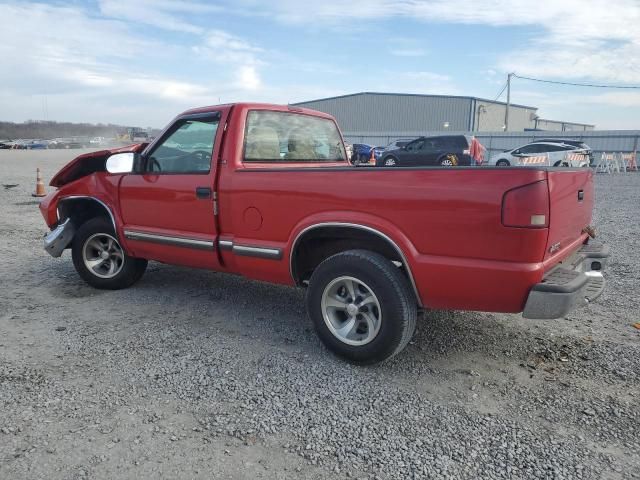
(275, 315)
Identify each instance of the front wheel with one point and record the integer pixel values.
(502, 163)
(100, 260)
(362, 306)
(390, 162)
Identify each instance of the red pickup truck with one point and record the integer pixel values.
(266, 191)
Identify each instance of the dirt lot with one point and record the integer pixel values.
(192, 374)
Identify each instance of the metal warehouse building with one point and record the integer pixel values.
(386, 115)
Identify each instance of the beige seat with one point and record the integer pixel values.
(263, 143)
(300, 146)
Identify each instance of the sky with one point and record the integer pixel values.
(141, 62)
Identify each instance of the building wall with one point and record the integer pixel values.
(381, 115)
(393, 113)
(490, 116)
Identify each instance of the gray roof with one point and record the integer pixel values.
(415, 95)
(567, 123)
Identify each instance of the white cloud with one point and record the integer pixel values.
(84, 69)
(577, 38)
(165, 14)
(248, 78)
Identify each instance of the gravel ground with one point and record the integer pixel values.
(193, 374)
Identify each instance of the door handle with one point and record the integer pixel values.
(203, 192)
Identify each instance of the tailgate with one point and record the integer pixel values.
(571, 204)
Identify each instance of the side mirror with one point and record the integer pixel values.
(121, 162)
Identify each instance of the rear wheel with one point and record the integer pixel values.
(100, 260)
(390, 161)
(448, 160)
(362, 306)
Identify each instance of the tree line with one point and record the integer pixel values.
(50, 129)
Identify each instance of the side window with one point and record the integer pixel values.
(187, 148)
(291, 137)
(527, 149)
(415, 146)
(437, 143)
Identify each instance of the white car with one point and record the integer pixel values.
(543, 153)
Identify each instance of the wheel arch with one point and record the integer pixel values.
(324, 239)
(80, 208)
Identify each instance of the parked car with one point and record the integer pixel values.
(361, 153)
(457, 239)
(139, 137)
(556, 155)
(569, 141)
(444, 150)
(67, 143)
(399, 143)
(36, 145)
(20, 144)
(98, 141)
(6, 144)
(377, 153)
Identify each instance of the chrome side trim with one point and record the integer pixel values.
(169, 240)
(259, 252)
(385, 237)
(76, 197)
(225, 244)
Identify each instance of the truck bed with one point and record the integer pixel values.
(447, 221)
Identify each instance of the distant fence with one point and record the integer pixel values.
(495, 142)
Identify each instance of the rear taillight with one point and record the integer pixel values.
(526, 206)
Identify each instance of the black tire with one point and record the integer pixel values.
(389, 161)
(448, 160)
(398, 306)
(130, 272)
(502, 163)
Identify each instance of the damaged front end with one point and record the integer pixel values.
(84, 190)
(89, 163)
(59, 238)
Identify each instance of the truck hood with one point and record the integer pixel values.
(89, 163)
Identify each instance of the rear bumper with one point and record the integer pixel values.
(573, 283)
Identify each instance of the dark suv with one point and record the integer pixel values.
(445, 150)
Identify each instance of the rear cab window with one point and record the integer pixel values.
(274, 137)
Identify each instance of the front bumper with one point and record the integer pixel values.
(59, 238)
(571, 284)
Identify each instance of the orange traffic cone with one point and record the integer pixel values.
(39, 186)
(372, 157)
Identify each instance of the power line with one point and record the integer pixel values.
(593, 85)
(501, 92)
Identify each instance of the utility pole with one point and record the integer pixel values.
(506, 113)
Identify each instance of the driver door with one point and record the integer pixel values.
(167, 207)
(412, 152)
